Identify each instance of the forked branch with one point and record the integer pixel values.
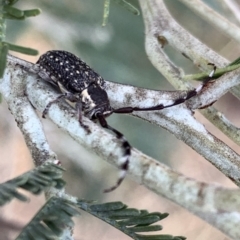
(207, 201)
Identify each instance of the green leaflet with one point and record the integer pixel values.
(34, 181)
(48, 223)
(128, 220)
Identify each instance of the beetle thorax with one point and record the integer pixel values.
(95, 101)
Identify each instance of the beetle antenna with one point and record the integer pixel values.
(126, 148)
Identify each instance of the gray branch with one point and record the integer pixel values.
(13, 88)
(212, 203)
(214, 18)
(160, 25)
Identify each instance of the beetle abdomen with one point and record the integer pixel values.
(64, 67)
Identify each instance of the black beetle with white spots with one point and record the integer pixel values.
(80, 84)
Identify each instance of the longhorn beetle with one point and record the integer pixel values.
(82, 85)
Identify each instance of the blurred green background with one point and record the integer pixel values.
(117, 53)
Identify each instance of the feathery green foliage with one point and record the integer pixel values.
(48, 223)
(34, 181)
(7, 11)
(128, 220)
(218, 73)
(56, 214)
(235, 62)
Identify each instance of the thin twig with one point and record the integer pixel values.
(234, 7)
(221, 122)
(215, 19)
